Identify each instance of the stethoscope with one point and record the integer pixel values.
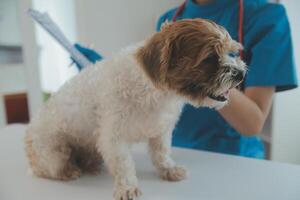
(240, 23)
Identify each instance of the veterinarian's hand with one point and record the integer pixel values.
(90, 54)
(248, 110)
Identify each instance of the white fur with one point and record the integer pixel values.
(110, 105)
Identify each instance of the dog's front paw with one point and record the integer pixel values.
(176, 173)
(127, 193)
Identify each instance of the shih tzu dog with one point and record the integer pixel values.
(137, 95)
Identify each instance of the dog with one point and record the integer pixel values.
(136, 95)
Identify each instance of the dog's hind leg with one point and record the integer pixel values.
(51, 161)
(88, 159)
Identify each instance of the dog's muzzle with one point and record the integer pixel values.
(238, 75)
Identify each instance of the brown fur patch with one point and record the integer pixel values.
(184, 56)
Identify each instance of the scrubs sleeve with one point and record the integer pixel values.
(160, 21)
(166, 16)
(269, 51)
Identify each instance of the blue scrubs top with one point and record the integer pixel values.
(269, 56)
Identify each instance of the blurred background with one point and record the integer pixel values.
(33, 65)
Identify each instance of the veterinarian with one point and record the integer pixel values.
(263, 29)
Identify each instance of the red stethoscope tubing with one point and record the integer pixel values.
(240, 23)
(241, 26)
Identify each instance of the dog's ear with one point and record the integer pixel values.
(149, 56)
(170, 53)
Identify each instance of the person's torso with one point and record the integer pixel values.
(204, 128)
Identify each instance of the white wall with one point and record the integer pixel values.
(111, 25)
(286, 121)
(53, 59)
(9, 23)
(12, 80)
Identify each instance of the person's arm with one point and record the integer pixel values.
(247, 112)
(271, 65)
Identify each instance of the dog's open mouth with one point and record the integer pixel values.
(222, 97)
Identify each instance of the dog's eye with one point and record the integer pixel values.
(234, 54)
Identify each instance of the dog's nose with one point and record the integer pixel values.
(238, 75)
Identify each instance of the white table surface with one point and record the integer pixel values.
(212, 177)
